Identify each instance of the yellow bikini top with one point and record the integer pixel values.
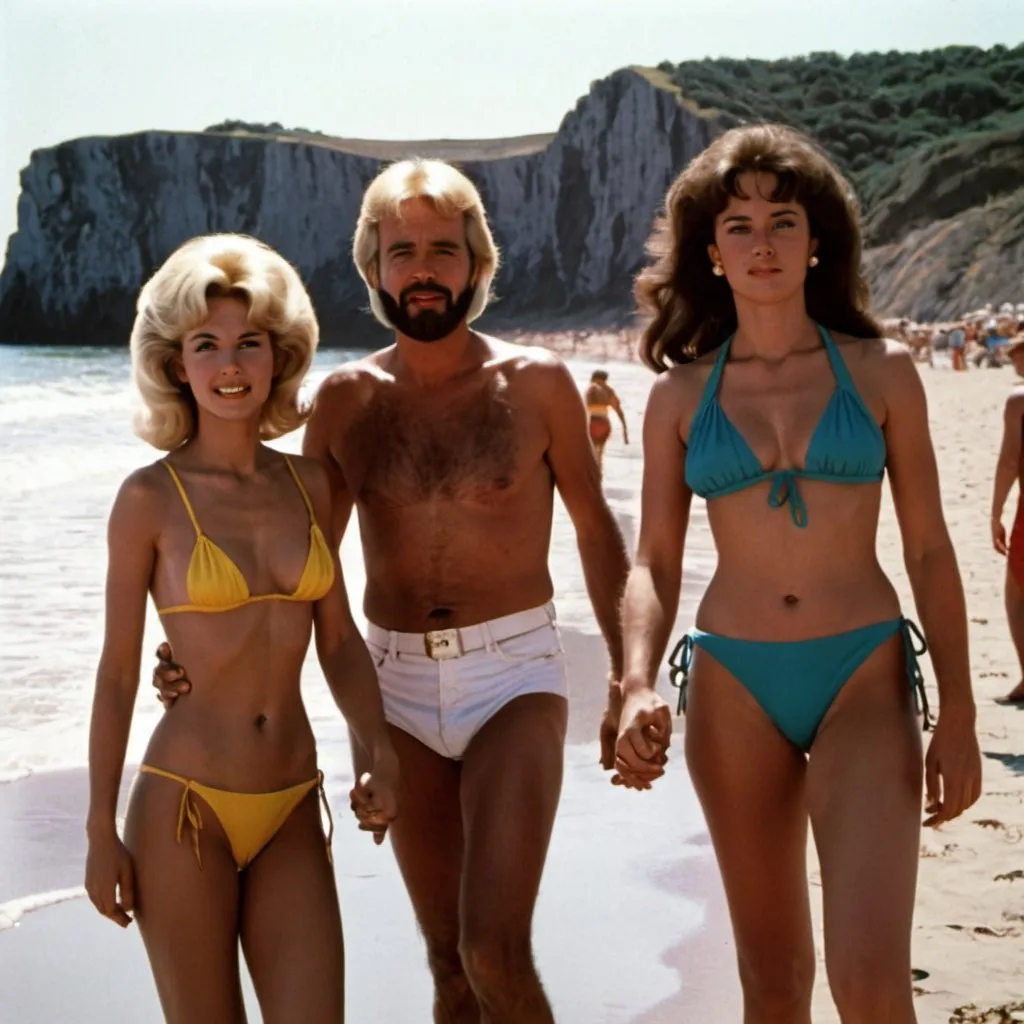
(215, 584)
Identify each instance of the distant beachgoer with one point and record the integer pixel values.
(223, 840)
(1010, 470)
(957, 345)
(779, 404)
(600, 398)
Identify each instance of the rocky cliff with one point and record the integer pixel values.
(570, 211)
(952, 265)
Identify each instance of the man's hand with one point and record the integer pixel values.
(645, 731)
(169, 678)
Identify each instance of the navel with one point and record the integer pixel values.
(791, 600)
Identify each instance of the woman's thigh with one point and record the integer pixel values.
(864, 790)
(291, 924)
(750, 781)
(187, 913)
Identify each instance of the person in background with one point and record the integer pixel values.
(1010, 471)
(600, 398)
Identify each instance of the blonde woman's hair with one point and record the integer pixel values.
(451, 193)
(175, 301)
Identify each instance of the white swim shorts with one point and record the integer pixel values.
(442, 686)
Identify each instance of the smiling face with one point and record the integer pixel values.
(227, 362)
(763, 246)
(426, 282)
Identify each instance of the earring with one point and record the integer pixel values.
(813, 261)
(717, 269)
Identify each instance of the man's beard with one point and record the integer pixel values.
(429, 324)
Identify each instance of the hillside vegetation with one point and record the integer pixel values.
(901, 125)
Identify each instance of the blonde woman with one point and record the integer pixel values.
(779, 403)
(223, 838)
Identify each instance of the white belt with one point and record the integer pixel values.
(442, 644)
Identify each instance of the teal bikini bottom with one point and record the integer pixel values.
(795, 682)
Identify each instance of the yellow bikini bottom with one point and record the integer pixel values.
(249, 820)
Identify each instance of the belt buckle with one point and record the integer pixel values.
(442, 644)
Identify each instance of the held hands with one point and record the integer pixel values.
(952, 767)
(375, 797)
(635, 734)
(108, 874)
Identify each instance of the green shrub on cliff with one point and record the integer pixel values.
(869, 110)
(920, 134)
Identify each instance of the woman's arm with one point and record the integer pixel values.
(131, 543)
(652, 590)
(352, 679)
(927, 548)
(131, 540)
(1007, 467)
(953, 756)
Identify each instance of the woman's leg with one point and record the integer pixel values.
(864, 786)
(1014, 598)
(750, 781)
(291, 924)
(187, 914)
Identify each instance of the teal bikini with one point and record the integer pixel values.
(847, 447)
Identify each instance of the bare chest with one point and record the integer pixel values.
(406, 449)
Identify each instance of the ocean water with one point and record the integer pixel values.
(66, 443)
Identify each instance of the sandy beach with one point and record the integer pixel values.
(631, 924)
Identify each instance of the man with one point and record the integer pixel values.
(449, 444)
(1010, 469)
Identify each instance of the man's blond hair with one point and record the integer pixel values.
(451, 193)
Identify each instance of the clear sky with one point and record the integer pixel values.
(399, 69)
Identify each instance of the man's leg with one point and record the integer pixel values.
(427, 839)
(511, 781)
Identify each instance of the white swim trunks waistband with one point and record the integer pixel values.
(441, 644)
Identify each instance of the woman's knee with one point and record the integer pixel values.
(872, 989)
(777, 985)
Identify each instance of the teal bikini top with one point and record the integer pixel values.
(847, 446)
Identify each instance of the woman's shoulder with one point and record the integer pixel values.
(143, 495)
(313, 476)
(147, 483)
(885, 356)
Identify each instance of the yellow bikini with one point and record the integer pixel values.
(249, 820)
(215, 584)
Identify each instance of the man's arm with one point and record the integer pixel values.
(602, 548)
(323, 432)
(1007, 467)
